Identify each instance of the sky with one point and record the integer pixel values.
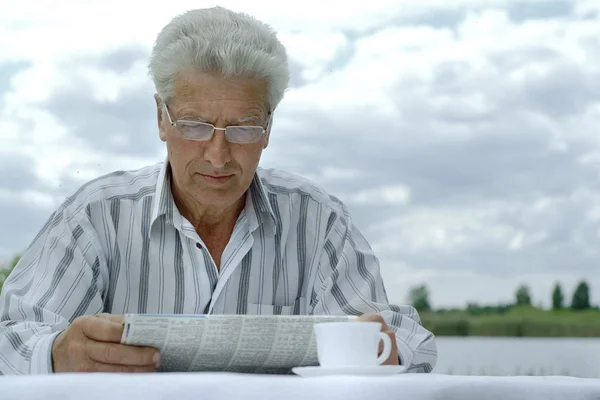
(463, 135)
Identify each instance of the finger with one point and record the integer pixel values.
(113, 353)
(102, 329)
(101, 367)
(393, 358)
(119, 319)
(375, 318)
(392, 336)
(371, 318)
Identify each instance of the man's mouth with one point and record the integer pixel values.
(215, 179)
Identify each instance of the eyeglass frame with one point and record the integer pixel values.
(265, 130)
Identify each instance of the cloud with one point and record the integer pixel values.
(16, 172)
(125, 124)
(385, 195)
(462, 135)
(550, 9)
(8, 70)
(24, 202)
(480, 133)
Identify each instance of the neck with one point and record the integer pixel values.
(206, 218)
(210, 217)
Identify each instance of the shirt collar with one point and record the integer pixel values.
(258, 206)
(164, 204)
(258, 209)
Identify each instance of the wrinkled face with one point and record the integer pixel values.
(215, 172)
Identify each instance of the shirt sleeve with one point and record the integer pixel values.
(55, 281)
(349, 282)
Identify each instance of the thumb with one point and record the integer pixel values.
(119, 319)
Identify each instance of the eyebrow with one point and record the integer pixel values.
(247, 119)
(237, 121)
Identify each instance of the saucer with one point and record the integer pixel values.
(376, 370)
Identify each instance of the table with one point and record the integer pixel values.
(228, 386)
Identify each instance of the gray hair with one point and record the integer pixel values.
(217, 40)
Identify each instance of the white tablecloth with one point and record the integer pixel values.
(224, 386)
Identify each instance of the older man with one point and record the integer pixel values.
(207, 231)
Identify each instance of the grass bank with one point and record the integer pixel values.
(518, 322)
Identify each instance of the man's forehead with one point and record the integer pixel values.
(209, 113)
(207, 97)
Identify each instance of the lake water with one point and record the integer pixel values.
(518, 356)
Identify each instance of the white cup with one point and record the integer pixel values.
(351, 344)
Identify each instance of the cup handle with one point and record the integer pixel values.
(387, 348)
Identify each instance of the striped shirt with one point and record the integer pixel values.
(119, 245)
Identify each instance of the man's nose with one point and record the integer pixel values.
(218, 149)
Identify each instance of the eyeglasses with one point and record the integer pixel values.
(202, 131)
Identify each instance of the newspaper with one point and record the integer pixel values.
(266, 344)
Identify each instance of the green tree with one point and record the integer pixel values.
(581, 297)
(4, 273)
(419, 298)
(522, 296)
(557, 297)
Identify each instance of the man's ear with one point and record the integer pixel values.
(159, 118)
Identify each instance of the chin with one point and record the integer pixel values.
(215, 198)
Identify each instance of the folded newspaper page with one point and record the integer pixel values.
(266, 344)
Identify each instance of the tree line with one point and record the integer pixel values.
(580, 300)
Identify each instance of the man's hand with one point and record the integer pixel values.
(393, 359)
(92, 344)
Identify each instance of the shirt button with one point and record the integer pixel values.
(198, 245)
